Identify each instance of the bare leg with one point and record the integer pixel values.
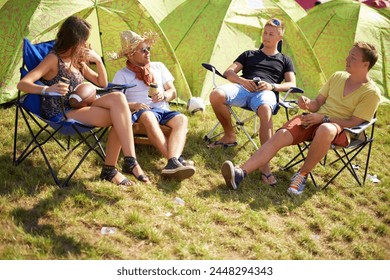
(319, 146)
(113, 148)
(172, 147)
(266, 130)
(177, 138)
(111, 110)
(218, 102)
(154, 133)
(262, 156)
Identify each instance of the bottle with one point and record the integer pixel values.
(152, 89)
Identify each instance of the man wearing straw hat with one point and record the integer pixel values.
(154, 110)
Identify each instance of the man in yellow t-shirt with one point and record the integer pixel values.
(347, 99)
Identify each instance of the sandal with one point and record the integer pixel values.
(217, 144)
(268, 179)
(111, 174)
(128, 166)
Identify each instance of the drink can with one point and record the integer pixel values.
(64, 80)
(152, 89)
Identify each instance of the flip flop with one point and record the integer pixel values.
(217, 144)
(267, 179)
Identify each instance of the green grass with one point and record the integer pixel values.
(40, 221)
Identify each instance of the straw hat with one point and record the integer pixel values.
(130, 41)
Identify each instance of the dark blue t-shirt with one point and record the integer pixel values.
(269, 68)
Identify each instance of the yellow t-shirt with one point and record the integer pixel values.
(361, 103)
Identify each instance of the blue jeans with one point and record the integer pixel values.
(237, 95)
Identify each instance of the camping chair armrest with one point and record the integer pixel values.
(213, 69)
(295, 90)
(356, 130)
(290, 104)
(114, 87)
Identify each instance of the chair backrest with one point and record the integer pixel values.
(33, 54)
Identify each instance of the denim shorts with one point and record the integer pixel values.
(162, 115)
(237, 95)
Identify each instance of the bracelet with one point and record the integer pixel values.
(43, 91)
(273, 86)
(165, 98)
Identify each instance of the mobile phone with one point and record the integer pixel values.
(257, 80)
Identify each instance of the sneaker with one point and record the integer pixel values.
(175, 169)
(232, 175)
(186, 162)
(298, 183)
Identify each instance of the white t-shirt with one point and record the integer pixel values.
(139, 93)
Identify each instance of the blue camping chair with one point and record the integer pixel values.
(247, 114)
(42, 131)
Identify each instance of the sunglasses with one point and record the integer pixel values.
(276, 22)
(144, 50)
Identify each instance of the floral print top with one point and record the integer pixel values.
(52, 106)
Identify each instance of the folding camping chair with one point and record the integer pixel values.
(247, 114)
(43, 131)
(362, 136)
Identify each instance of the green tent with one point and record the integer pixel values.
(39, 21)
(333, 27)
(218, 31)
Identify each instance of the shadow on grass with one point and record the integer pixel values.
(251, 191)
(59, 245)
(153, 162)
(26, 177)
(259, 196)
(30, 180)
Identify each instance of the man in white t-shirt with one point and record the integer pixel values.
(153, 111)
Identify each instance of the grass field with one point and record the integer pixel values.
(40, 221)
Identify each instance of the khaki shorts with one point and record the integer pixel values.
(301, 134)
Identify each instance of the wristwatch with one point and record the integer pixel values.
(165, 98)
(326, 119)
(273, 86)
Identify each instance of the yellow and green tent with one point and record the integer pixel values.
(39, 20)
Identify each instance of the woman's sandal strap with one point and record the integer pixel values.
(142, 178)
(110, 173)
(124, 182)
(128, 166)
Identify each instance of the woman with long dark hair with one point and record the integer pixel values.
(69, 59)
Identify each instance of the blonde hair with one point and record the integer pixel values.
(275, 22)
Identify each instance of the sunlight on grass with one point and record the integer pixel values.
(40, 221)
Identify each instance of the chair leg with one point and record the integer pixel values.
(16, 131)
(240, 124)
